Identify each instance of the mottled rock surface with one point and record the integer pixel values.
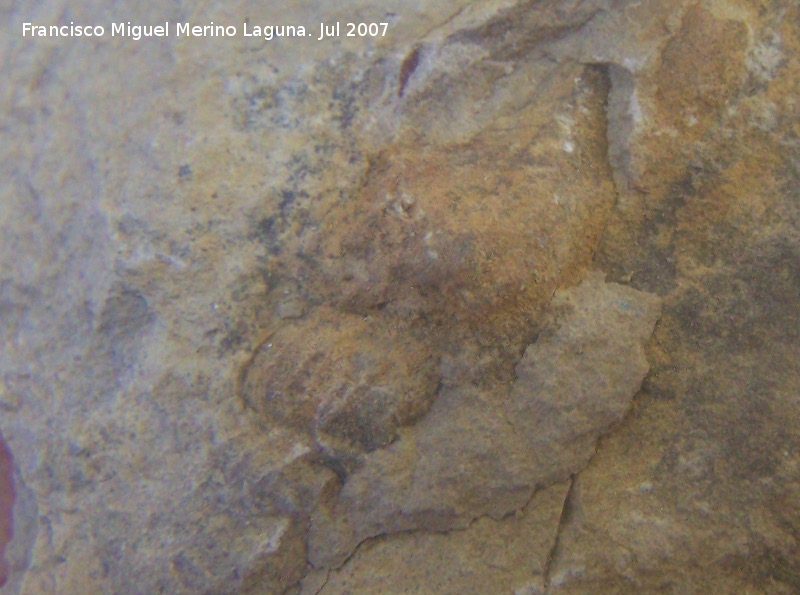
(468, 459)
(506, 555)
(296, 315)
(574, 384)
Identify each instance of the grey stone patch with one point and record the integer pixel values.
(765, 59)
(18, 552)
(117, 339)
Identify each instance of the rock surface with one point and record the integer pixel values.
(508, 555)
(297, 315)
(468, 459)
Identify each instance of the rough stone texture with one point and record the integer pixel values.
(394, 216)
(573, 385)
(6, 507)
(510, 555)
(467, 459)
(345, 382)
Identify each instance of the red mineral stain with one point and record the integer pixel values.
(407, 68)
(6, 506)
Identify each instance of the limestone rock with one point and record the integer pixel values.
(510, 555)
(342, 380)
(467, 459)
(394, 214)
(575, 383)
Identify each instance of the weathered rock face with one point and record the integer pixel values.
(345, 382)
(458, 233)
(571, 387)
(290, 315)
(507, 555)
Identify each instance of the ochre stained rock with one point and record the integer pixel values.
(477, 234)
(466, 458)
(346, 381)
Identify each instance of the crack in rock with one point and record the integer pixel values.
(463, 461)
